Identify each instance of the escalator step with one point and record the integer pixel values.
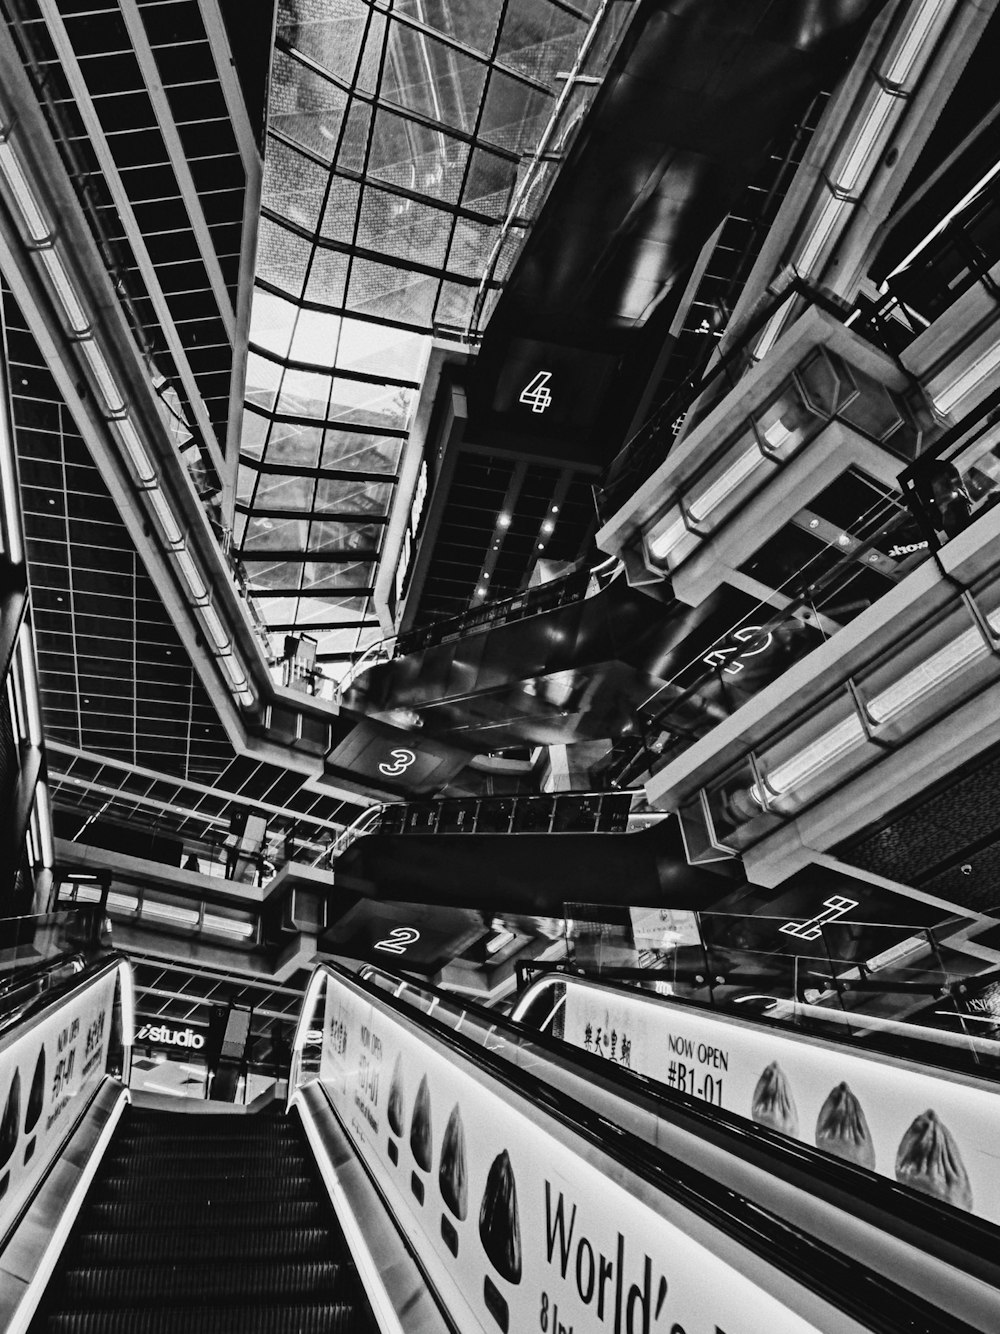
(114, 1215)
(314, 1318)
(275, 1161)
(180, 1284)
(218, 1188)
(159, 1246)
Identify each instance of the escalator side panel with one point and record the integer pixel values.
(521, 1221)
(935, 1131)
(50, 1066)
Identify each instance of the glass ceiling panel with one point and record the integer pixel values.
(393, 153)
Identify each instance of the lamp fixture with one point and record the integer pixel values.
(915, 685)
(35, 225)
(28, 683)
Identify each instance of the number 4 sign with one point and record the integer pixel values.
(536, 394)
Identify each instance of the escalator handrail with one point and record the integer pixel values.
(840, 1280)
(35, 1010)
(962, 1235)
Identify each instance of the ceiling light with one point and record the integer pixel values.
(114, 400)
(169, 912)
(985, 364)
(821, 753)
(216, 629)
(547, 526)
(29, 686)
(503, 521)
(925, 678)
(145, 473)
(161, 508)
(806, 257)
(44, 825)
(194, 581)
(115, 902)
(498, 942)
(228, 926)
(12, 539)
(913, 38)
(699, 507)
(34, 221)
(668, 534)
(76, 319)
(867, 140)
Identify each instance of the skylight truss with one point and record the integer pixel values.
(397, 143)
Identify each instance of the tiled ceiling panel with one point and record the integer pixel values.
(115, 677)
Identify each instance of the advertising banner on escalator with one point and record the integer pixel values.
(46, 1075)
(522, 1224)
(935, 1131)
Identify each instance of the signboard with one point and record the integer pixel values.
(384, 754)
(182, 1038)
(938, 1133)
(46, 1076)
(521, 1225)
(549, 388)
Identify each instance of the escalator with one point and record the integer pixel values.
(440, 1169)
(205, 1224)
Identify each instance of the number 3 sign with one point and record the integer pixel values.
(401, 761)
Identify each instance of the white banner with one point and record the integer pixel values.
(523, 1227)
(45, 1077)
(936, 1132)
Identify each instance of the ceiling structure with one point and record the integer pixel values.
(398, 150)
(299, 282)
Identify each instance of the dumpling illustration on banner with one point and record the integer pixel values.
(397, 1110)
(772, 1104)
(420, 1136)
(36, 1100)
(928, 1159)
(452, 1177)
(500, 1233)
(842, 1128)
(10, 1128)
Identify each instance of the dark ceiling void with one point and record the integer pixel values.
(684, 120)
(250, 29)
(533, 874)
(946, 842)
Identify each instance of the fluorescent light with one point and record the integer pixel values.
(821, 753)
(667, 535)
(101, 371)
(169, 912)
(216, 629)
(194, 581)
(822, 229)
(76, 318)
(29, 686)
(498, 942)
(45, 845)
(742, 467)
(8, 485)
(913, 38)
(228, 926)
(34, 220)
(124, 903)
(866, 141)
(913, 686)
(161, 508)
(970, 379)
(925, 678)
(136, 450)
